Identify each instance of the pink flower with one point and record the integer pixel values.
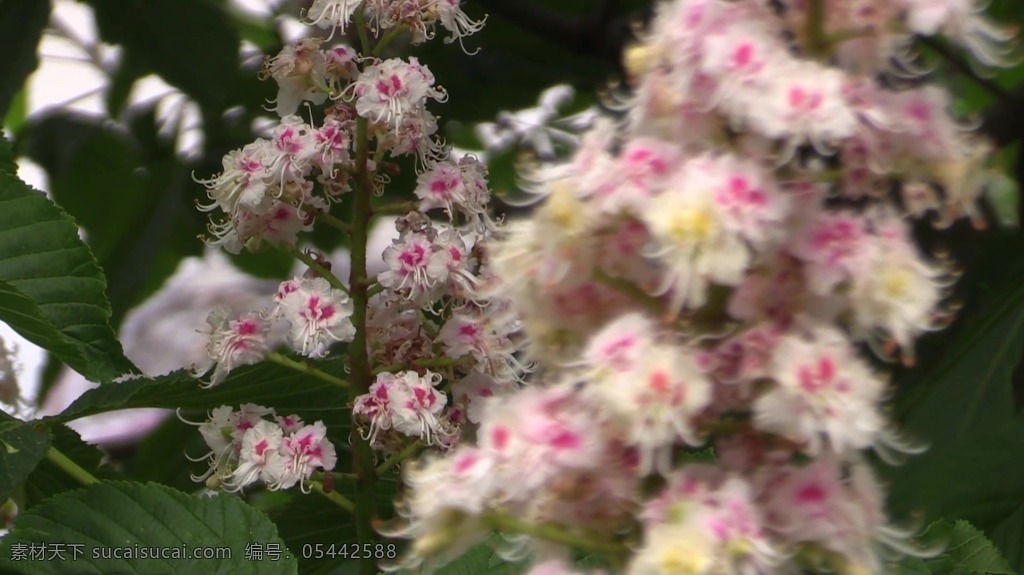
(304, 451)
(233, 342)
(318, 314)
(824, 394)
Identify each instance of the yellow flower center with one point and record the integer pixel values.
(895, 283)
(691, 225)
(679, 560)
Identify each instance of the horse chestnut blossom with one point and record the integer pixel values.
(247, 448)
(407, 403)
(317, 313)
(387, 91)
(702, 272)
(234, 342)
(314, 314)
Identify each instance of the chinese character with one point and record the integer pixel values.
(19, 552)
(56, 551)
(274, 551)
(254, 551)
(37, 551)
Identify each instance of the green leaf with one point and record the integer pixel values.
(308, 520)
(151, 461)
(962, 406)
(21, 26)
(17, 112)
(24, 316)
(47, 479)
(189, 43)
(133, 516)
(266, 384)
(966, 551)
(127, 189)
(22, 446)
(43, 260)
(95, 175)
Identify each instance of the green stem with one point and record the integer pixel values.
(626, 288)
(70, 467)
(320, 270)
(550, 532)
(407, 452)
(334, 222)
(359, 360)
(396, 209)
(334, 497)
(425, 324)
(364, 36)
(386, 39)
(817, 40)
(307, 369)
(335, 475)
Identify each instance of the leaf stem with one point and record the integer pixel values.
(386, 39)
(70, 467)
(624, 287)
(364, 36)
(334, 222)
(397, 208)
(334, 497)
(321, 270)
(307, 369)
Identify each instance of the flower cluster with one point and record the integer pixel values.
(438, 347)
(254, 444)
(420, 17)
(315, 314)
(433, 332)
(707, 272)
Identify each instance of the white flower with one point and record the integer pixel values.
(297, 69)
(319, 315)
(824, 393)
(259, 458)
(656, 402)
(332, 13)
(233, 342)
(304, 451)
(392, 88)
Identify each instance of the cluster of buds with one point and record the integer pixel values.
(254, 445)
(709, 271)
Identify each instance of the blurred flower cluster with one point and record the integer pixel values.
(728, 265)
